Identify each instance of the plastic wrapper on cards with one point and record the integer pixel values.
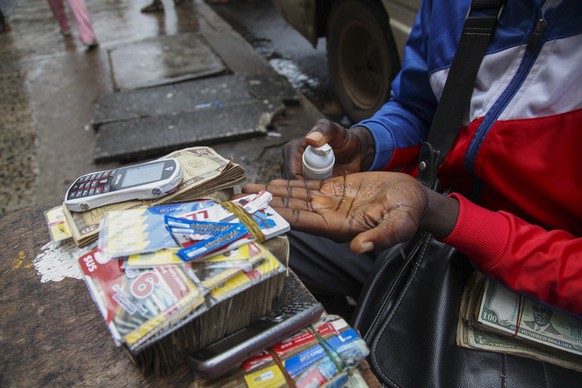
(128, 232)
(139, 304)
(214, 271)
(326, 353)
(139, 231)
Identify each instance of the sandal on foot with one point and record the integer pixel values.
(153, 8)
(92, 46)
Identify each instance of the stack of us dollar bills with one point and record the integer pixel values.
(494, 318)
(206, 175)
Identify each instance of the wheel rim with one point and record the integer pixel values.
(360, 66)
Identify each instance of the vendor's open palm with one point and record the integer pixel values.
(377, 208)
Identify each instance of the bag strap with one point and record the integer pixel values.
(454, 102)
(456, 96)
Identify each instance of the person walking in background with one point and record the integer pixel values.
(82, 19)
(4, 25)
(157, 6)
(6, 7)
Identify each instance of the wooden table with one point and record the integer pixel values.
(51, 332)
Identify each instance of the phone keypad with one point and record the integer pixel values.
(92, 184)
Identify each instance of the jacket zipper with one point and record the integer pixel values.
(533, 49)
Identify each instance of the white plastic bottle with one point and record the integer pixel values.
(318, 162)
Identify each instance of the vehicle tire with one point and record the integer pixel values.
(362, 56)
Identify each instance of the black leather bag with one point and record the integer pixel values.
(408, 311)
(408, 315)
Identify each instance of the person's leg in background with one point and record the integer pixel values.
(4, 25)
(84, 25)
(58, 9)
(157, 6)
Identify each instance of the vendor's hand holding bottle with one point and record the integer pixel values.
(353, 149)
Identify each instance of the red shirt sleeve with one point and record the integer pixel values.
(546, 265)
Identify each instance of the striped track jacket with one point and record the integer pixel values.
(518, 154)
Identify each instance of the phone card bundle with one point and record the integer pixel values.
(326, 353)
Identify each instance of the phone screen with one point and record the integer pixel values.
(142, 174)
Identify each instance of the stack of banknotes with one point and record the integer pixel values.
(494, 318)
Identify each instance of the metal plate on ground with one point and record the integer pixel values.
(182, 97)
(161, 60)
(155, 136)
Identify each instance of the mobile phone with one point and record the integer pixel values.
(139, 181)
(224, 355)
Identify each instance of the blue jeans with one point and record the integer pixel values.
(329, 270)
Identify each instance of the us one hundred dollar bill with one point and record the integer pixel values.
(508, 312)
(474, 338)
(491, 307)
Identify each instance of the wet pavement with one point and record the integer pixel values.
(51, 89)
(286, 50)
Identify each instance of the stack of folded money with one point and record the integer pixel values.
(206, 175)
(494, 318)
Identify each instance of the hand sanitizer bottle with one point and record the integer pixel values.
(318, 162)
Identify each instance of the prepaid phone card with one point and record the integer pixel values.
(207, 273)
(317, 364)
(328, 326)
(152, 259)
(57, 224)
(128, 232)
(137, 303)
(269, 222)
(215, 270)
